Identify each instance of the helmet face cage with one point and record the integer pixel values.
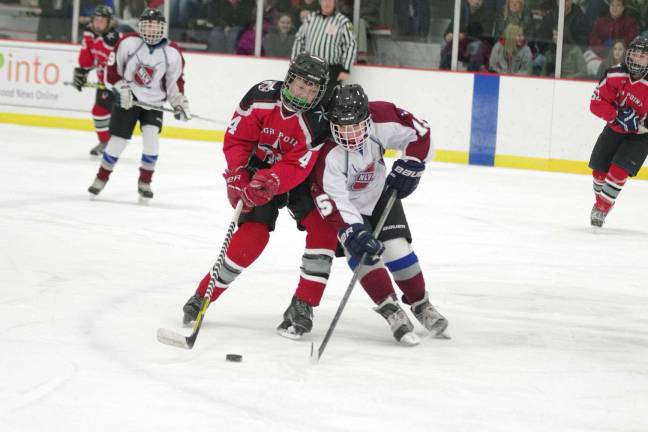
(309, 92)
(638, 48)
(352, 137)
(151, 26)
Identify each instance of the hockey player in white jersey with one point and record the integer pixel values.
(147, 68)
(348, 186)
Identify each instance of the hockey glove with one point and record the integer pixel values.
(236, 180)
(405, 176)
(261, 189)
(180, 106)
(125, 94)
(628, 119)
(80, 78)
(358, 239)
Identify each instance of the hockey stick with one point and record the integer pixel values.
(172, 111)
(98, 85)
(169, 337)
(316, 355)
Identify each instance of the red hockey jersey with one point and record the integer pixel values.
(95, 50)
(617, 90)
(286, 142)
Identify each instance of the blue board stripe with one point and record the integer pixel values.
(483, 125)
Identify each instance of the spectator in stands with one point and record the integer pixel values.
(511, 54)
(412, 17)
(55, 23)
(616, 25)
(615, 57)
(514, 12)
(475, 26)
(247, 41)
(573, 63)
(279, 42)
(229, 18)
(576, 24)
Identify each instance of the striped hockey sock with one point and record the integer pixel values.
(614, 181)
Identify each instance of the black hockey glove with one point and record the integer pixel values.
(80, 78)
(628, 119)
(405, 176)
(358, 239)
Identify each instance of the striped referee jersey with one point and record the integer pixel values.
(329, 37)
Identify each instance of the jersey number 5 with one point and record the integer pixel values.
(324, 205)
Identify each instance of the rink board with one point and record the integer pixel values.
(481, 119)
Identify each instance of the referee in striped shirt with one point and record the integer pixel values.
(328, 34)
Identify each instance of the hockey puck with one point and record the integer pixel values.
(234, 357)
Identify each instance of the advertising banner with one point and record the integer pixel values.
(32, 75)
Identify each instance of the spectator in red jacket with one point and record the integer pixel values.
(615, 26)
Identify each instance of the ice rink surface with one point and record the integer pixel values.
(549, 320)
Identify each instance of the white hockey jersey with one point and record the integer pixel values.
(347, 185)
(154, 74)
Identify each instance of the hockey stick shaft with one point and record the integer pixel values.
(171, 338)
(356, 273)
(98, 85)
(171, 110)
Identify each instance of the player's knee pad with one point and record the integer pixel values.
(114, 149)
(400, 259)
(316, 265)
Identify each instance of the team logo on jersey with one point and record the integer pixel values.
(363, 178)
(267, 86)
(143, 75)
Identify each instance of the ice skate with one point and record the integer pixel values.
(400, 325)
(597, 217)
(298, 319)
(191, 309)
(96, 187)
(430, 318)
(144, 190)
(98, 149)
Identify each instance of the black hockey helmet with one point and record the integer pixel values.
(308, 77)
(103, 11)
(348, 113)
(152, 26)
(637, 49)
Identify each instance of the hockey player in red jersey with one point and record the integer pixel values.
(147, 68)
(271, 146)
(96, 46)
(621, 99)
(348, 187)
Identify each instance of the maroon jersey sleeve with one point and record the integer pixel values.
(403, 131)
(112, 74)
(180, 82)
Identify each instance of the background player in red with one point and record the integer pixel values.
(98, 42)
(621, 99)
(348, 186)
(145, 67)
(271, 146)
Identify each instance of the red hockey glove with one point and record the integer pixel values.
(236, 180)
(261, 189)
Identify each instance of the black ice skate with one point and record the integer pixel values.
(144, 190)
(96, 187)
(98, 149)
(429, 317)
(298, 319)
(597, 217)
(401, 327)
(191, 309)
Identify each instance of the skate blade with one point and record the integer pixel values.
(92, 197)
(143, 201)
(410, 339)
(289, 333)
(441, 336)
